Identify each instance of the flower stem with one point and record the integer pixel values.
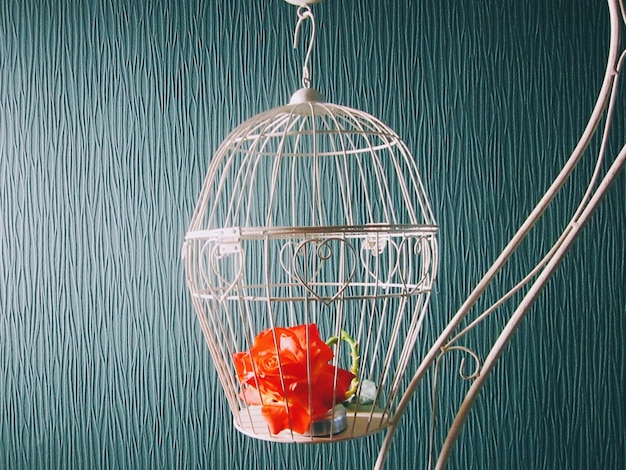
(354, 354)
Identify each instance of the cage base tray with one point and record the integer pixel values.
(360, 424)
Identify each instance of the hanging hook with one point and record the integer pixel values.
(304, 12)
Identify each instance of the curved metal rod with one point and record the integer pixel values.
(523, 307)
(506, 253)
(464, 376)
(592, 186)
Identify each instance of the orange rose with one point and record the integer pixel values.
(274, 374)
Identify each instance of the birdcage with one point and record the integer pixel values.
(310, 259)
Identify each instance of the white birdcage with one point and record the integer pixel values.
(312, 227)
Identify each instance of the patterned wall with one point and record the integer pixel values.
(109, 113)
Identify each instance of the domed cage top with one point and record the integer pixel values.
(312, 235)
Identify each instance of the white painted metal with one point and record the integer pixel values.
(302, 3)
(314, 213)
(539, 276)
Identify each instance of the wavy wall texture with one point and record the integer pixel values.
(109, 113)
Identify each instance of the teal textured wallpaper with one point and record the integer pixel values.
(109, 113)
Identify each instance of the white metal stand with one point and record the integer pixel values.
(539, 276)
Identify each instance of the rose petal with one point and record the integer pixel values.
(279, 417)
(323, 395)
(243, 365)
(251, 395)
(344, 382)
(318, 349)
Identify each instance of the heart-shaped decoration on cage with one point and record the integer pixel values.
(315, 266)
